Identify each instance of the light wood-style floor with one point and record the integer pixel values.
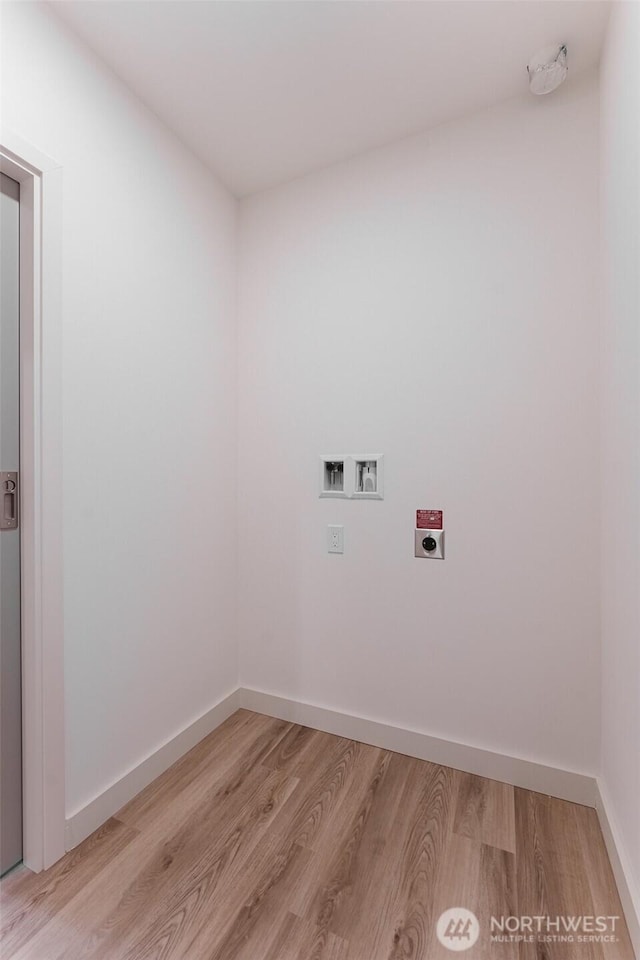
(271, 841)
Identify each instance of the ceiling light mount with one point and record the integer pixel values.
(548, 69)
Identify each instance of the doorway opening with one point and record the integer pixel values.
(10, 592)
(31, 594)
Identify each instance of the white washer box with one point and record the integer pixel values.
(333, 476)
(368, 477)
(352, 477)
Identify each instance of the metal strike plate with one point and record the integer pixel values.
(8, 500)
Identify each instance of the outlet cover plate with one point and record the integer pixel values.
(335, 538)
(437, 553)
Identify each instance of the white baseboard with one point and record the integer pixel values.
(627, 886)
(565, 784)
(83, 823)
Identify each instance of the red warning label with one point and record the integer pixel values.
(429, 519)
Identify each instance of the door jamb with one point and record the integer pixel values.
(41, 528)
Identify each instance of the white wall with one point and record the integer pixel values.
(620, 121)
(149, 405)
(435, 301)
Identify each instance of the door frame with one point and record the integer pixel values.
(41, 531)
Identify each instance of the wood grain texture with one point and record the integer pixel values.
(485, 811)
(561, 860)
(271, 841)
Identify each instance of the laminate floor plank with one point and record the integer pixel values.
(550, 875)
(287, 752)
(481, 878)
(364, 899)
(297, 938)
(337, 838)
(485, 811)
(232, 873)
(205, 905)
(421, 866)
(116, 900)
(278, 867)
(225, 758)
(380, 917)
(334, 869)
(272, 841)
(553, 877)
(600, 876)
(497, 896)
(27, 906)
(309, 820)
(178, 882)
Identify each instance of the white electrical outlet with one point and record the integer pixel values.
(335, 538)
